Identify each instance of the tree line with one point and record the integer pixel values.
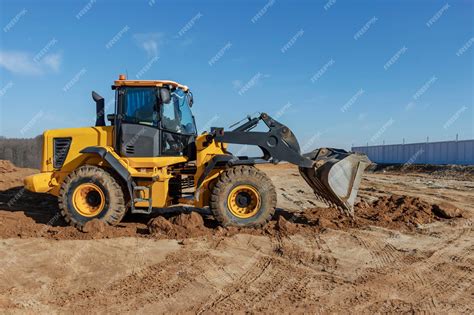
(22, 152)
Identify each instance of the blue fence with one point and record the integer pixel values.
(443, 152)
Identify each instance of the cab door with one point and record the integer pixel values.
(137, 130)
(178, 131)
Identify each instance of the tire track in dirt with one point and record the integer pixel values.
(148, 285)
(254, 272)
(285, 279)
(447, 278)
(423, 283)
(402, 277)
(383, 253)
(234, 295)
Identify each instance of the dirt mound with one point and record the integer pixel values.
(189, 221)
(17, 225)
(395, 212)
(284, 226)
(184, 225)
(12, 176)
(403, 212)
(94, 226)
(7, 167)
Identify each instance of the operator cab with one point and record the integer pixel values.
(153, 118)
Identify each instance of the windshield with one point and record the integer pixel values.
(176, 116)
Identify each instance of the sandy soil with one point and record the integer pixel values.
(410, 249)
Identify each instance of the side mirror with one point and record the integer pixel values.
(190, 99)
(111, 118)
(165, 95)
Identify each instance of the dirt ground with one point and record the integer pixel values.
(410, 249)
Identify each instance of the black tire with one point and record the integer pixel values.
(113, 207)
(231, 180)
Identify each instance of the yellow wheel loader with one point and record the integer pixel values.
(150, 156)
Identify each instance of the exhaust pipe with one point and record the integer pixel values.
(99, 101)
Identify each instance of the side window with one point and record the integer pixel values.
(139, 106)
(169, 119)
(176, 115)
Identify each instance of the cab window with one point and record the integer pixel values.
(140, 106)
(176, 116)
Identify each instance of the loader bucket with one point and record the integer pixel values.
(335, 176)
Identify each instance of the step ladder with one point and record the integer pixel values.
(136, 192)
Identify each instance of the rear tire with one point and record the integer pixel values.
(243, 196)
(91, 193)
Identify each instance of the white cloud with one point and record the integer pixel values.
(19, 62)
(149, 42)
(53, 61)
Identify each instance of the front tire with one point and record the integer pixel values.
(91, 193)
(243, 196)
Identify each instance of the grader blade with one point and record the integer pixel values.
(335, 176)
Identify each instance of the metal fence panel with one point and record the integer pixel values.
(442, 152)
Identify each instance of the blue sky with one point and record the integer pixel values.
(336, 72)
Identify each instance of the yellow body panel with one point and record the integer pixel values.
(82, 138)
(153, 162)
(41, 182)
(203, 156)
(154, 172)
(49, 179)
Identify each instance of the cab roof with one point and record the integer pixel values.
(122, 81)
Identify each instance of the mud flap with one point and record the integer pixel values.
(335, 176)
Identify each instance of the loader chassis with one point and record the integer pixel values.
(151, 156)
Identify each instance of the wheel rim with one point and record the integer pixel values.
(244, 201)
(88, 199)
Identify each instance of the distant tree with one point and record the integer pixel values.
(22, 152)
